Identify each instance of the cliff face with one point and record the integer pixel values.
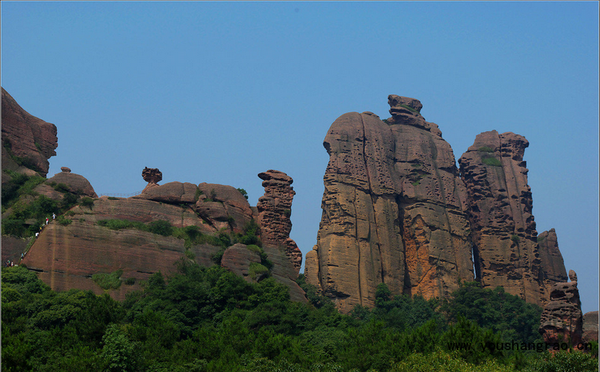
(562, 320)
(397, 211)
(504, 233)
(68, 256)
(393, 210)
(27, 142)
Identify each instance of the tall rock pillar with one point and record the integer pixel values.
(500, 207)
(393, 210)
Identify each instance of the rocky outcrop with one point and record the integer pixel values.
(503, 229)
(590, 326)
(75, 183)
(552, 262)
(27, 141)
(172, 192)
(561, 319)
(151, 175)
(393, 210)
(274, 211)
(238, 259)
(223, 206)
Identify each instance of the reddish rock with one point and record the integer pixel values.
(65, 169)
(151, 175)
(12, 247)
(238, 258)
(26, 137)
(551, 259)
(233, 213)
(172, 192)
(503, 228)
(393, 210)
(561, 319)
(274, 211)
(590, 326)
(76, 183)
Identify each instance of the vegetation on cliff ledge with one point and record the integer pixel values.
(208, 319)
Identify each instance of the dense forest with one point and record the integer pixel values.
(208, 319)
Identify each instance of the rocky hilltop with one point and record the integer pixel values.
(112, 244)
(393, 210)
(396, 210)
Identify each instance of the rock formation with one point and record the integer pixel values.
(274, 211)
(561, 319)
(393, 210)
(75, 183)
(552, 261)
(27, 142)
(79, 244)
(503, 228)
(590, 326)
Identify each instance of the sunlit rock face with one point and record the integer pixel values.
(393, 210)
(506, 248)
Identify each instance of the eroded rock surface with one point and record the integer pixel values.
(274, 211)
(503, 229)
(561, 319)
(393, 210)
(27, 141)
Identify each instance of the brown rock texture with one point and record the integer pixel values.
(151, 175)
(503, 229)
(590, 326)
(27, 141)
(274, 211)
(223, 206)
(561, 319)
(76, 183)
(238, 258)
(172, 192)
(393, 210)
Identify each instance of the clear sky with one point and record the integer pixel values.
(219, 92)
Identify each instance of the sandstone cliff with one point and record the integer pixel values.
(503, 229)
(393, 210)
(27, 142)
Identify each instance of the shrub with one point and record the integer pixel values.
(255, 269)
(61, 187)
(485, 149)
(108, 281)
(161, 227)
(86, 201)
(490, 160)
(63, 221)
(243, 192)
(112, 198)
(515, 238)
(189, 254)
(129, 281)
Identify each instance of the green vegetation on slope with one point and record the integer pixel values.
(208, 319)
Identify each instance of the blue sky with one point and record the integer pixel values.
(219, 92)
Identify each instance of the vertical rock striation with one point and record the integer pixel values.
(393, 210)
(504, 233)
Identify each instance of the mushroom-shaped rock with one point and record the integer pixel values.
(65, 169)
(152, 175)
